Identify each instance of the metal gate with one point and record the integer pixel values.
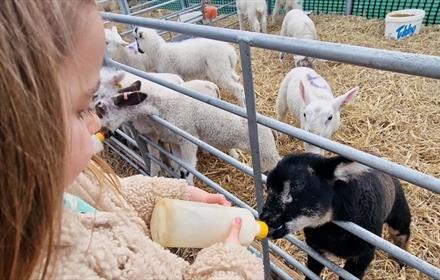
(414, 64)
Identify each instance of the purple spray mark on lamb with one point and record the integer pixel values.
(311, 78)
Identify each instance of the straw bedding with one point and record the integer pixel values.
(395, 116)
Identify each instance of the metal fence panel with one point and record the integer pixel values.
(367, 8)
(419, 65)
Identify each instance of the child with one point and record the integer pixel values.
(50, 56)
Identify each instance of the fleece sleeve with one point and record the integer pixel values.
(143, 192)
(225, 261)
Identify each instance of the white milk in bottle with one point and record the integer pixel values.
(187, 224)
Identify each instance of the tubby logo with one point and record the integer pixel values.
(405, 31)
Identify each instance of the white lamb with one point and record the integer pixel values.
(123, 80)
(192, 59)
(287, 5)
(256, 13)
(210, 124)
(117, 50)
(298, 25)
(310, 100)
(128, 79)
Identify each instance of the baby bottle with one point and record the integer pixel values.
(188, 224)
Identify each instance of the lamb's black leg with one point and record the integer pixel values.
(358, 266)
(399, 220)
(314, 266)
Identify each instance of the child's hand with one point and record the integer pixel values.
(200, 195)
(234, 233)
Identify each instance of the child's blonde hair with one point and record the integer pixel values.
(36, 37)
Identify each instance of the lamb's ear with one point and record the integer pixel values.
(136, 86)
(305, 96)
(326, 167)
(115, 29)
(339, 168)
(129, 99)
(345, 98)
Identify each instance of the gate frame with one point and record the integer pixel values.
(408, 63)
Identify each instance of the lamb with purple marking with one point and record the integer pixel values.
(307, 191)
(309, 98)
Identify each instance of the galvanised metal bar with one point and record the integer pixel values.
(412, 176)
(216, 152)
(391, 249)
(141, 146)
(138, 6)
(249, 171)
(288, 258)
(348, 7)
(182, 4)
(401, 62)
(291, 238)
(177, 13)
(298, 130)
(123, 7)
(323, 260)
(277, 270)
(313, 143)
(153, 7)
(140, 159)
(245, 56)
(137, 168)
(232, 3)
(283, 275)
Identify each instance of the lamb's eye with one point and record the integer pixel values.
(330, 118)
(304, 115)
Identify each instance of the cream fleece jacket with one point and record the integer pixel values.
(115, 242)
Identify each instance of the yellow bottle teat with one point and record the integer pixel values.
(264, 230)
(100, 136)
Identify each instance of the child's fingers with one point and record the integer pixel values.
(235, 232)
(217, 199)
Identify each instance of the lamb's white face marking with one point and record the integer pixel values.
(318, 117)
(286, 197)
(345, 172)
(309, 221)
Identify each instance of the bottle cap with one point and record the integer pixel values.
(100, 136)
(264, 230)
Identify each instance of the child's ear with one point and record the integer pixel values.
(136, 86)
(129, 99)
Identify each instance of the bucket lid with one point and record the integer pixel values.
(413, 15)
